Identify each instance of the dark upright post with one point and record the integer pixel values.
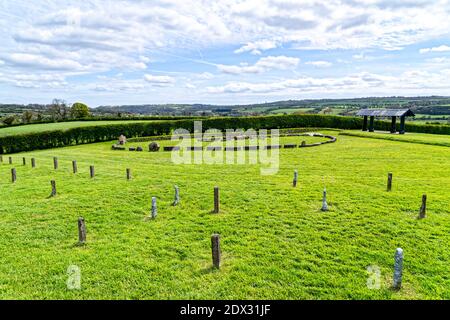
(53, 183)
(33, 162)
(13, 175)
(55, 163)
(81, 231)
(215, 246)
(389, 182)
(393, 125)
(92, 171)
(74, 166)
(402, 125)
(371, 124)
(423, 208)
(365, 123)
(24, 161)
(128, 174)
(216, 199)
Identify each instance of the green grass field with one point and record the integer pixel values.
(276, 243)
(6, 131)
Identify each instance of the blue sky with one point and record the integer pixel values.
(221, 52)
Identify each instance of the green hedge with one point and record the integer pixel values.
(60, 138)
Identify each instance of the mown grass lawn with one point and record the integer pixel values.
(276, 243)
(31, 128)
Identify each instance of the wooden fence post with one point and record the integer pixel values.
(423, 208)
(53, 183)
(24, 161)
(216, 200)
(215, 248)
(74, 166)
(10, 160)
(389, 182)
(13, 175)
(128, 174)
(324, 201)
(55, 163)
(92, 171)
(33, 162)
(81, 231)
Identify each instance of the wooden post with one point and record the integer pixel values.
(154, 208)
(371, 124)
(389, 182)
(177, 196)
(24, 161)
(81, 231)
(53, 183)
(215, 247)
(402, 125)
(294, 182)
(398, 269)
(423, 208)
(92, 171)
(216, 200)
(393, 125)
(128, 174)
(13, 175)
(33, 162)
(10, 160)
(55, 163)
(365, 123)
(74, 166)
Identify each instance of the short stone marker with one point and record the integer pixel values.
(33, 162)
(74, 166)
(24, 161)
(216, 200)
(324, 201)
(139, 149)
(177, 196)
(53, 184)
(153, 147)
(423, 208)
(92, 171)
(389, 182)
(55, 163)
(398, 269)
(215, 248)
(154, 208)
(81, 231)
(13, 175)
(128, 174)
(294, 182)
(10, 160)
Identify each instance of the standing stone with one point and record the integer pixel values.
(215, 248)
(423, 208)
(398, 269)
(24, 161)
(389, 182)
(154, 209)
(81, 231)
(74, 166)
(324, 201)
(33, 162)
(10, 160)
(13, 175)
(128, 174)
(303, 144)
(216, 200)
(92, 171)
(153, 147)
(294, 182)
(53, 183)
(177, 196)
(55, 163)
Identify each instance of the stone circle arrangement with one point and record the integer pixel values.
(155, 147)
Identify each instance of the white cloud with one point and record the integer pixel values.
(262, 65)
(159, 80)
(257, 46)
(320, 63)
(442, 48)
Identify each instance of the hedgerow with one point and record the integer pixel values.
(81, 135)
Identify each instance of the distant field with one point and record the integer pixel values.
(6, 131)
(421, 138)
